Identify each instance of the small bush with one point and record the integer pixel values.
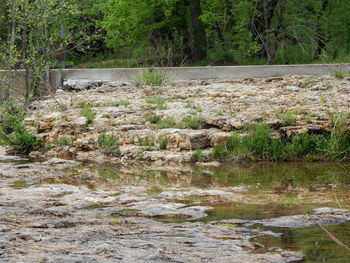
(88, 114)
(109, 144)
(152, 78)
(12, 130)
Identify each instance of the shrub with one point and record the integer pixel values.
(13, 132)
(109, 144)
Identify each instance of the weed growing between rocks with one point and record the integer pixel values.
(198, 156)
(155, 100)
(340, 74)
(87, 112)
(163, 142)
(12, 130)
(261, 145)
(151, 78)
(193, 122)
(109, 144)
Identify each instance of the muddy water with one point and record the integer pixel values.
(231, 198)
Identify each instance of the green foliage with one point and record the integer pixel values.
(31, 34)
(163, 142)
(109, 144)
(198, 156)
(289, 118)
(260, 145)
(149, 145)
(340, 74)
(167, 122)
(152, 78)
(65, 141)
(193, 123)
(155, 100)
(12, 130)
(124, 103)
(87, 112)
(154, 119)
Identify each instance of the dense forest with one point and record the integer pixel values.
(97, 33)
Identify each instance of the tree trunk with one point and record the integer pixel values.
(199, 51)
(260, 23)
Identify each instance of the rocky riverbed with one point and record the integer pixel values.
(65, 211)
(167, 124)
(145, 201)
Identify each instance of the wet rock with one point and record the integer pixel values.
(323, 216)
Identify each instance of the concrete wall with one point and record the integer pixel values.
(175, 74)
(206, 73)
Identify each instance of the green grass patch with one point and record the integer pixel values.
(288, 118)
(87, 112)
(158, 100)
(124, 103)
(163, 142)
(154, 119)
(193, 122)
(151, 78)
(198, 156)
(109, 144)
(259, 144)
(340, 74)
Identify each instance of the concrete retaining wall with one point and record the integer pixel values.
(206, 73)
(177, 74)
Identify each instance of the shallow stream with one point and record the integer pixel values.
(247, 192)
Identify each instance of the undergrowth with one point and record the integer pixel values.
(13, 133)
(260, 144)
